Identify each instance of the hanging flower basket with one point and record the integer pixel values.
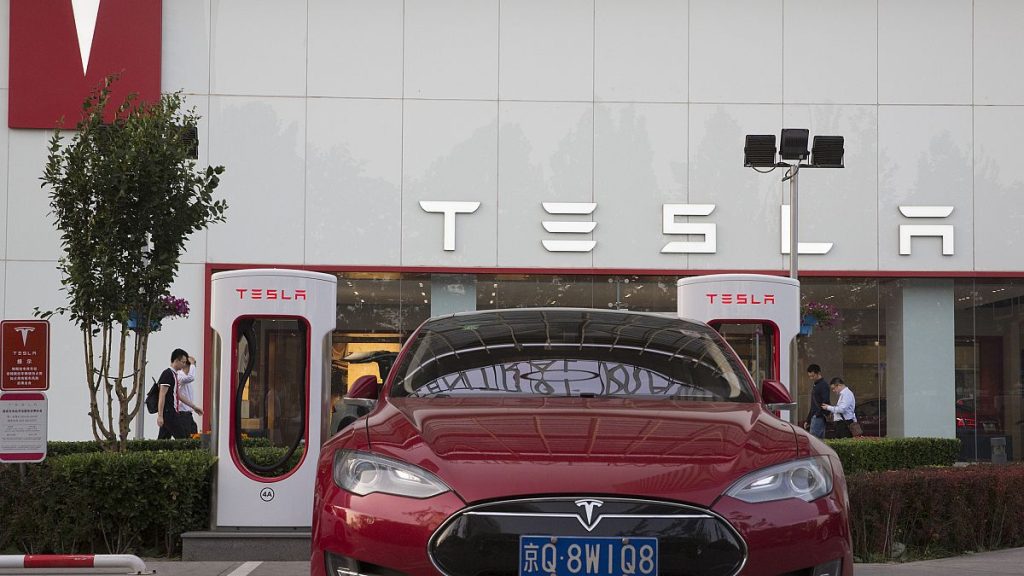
(817, 314)
(167, 307)
(133, 322)
(807, 324)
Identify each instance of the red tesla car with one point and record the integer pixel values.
(573, 442)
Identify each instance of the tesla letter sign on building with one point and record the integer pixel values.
(61, 50)
(25, 360)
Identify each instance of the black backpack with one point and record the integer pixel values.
(153, 398)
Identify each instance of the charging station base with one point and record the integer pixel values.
(241, 545)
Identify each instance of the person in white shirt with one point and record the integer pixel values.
(186, 397)
(844, 410)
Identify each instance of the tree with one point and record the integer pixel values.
(125, 196)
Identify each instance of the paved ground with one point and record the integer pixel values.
(999, 563)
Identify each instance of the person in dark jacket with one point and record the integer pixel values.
(167, 413)
(815, 422)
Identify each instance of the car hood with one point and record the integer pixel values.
(486, 448)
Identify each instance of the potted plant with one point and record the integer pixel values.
(817, 314)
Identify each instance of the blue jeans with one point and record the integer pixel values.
(818, 426)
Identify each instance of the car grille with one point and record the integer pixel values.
(484, 540)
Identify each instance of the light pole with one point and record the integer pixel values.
(759, 152)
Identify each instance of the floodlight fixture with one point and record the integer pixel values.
(793, 144)
(759, 151)
(827, 152)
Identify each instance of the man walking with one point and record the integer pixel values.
(844, 409)
(815, 422)
(186, 398)
(167, 407)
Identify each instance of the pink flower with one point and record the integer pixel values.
(171, 306)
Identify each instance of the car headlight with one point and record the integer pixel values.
(363, 473)
(807, 479)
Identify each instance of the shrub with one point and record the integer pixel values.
(876, 454)
(106, 502)
(937, 511)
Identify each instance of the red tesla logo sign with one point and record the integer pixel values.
(269, 294)
(62, 49)
(741, 298)
(25, 362)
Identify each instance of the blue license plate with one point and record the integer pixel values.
(579, 556)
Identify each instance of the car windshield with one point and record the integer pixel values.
(569, 353)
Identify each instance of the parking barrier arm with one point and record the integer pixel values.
(132, 564)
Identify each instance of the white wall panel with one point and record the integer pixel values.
(5, 44)
(839, 205)
(998, 51)
(640, 158)
(998, 188)
(355, 48)
(258, 47)
(546, 50)
(31, 234)
(195, 245)
(924, 51)
(354, 182)
(736, 51)
(451, 154)
(831, 51)
(261, 143)
(924, 159)
(185, 48)
(641, 50)
(4, 173)
(32, 284)
(451, 49)
(546, 154)
(747, 203)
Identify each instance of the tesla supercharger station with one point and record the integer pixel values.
(758, 315)
(271, 342)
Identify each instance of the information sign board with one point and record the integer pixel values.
(22, 427)
(25, 356)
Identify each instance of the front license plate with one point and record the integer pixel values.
(579, 556)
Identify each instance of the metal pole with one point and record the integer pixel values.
(140, 417)
(793, 224)
(794, 244)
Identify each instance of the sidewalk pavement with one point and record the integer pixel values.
(998, 563)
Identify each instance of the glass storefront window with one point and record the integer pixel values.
(378, 311)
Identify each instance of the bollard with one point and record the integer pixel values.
(131, 564)
(998, 445)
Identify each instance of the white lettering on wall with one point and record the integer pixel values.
(569, 227)
(708, 230)
(449, 209)
(944, 231)
(801, 247)
(709, 245)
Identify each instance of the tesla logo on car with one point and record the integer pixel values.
(267, 494)
(588, 506)
(60, 50)
(741, 298)
(269, 294)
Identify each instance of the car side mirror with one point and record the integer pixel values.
(363, 392)
(775, 395)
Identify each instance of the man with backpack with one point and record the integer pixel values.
(167, 418)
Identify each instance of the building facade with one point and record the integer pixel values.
(443, 155)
